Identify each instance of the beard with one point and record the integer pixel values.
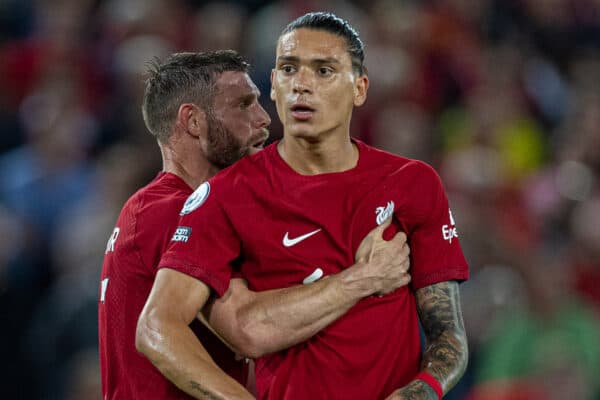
(224, 148)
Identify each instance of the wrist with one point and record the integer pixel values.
(353, 284)
(432, 383)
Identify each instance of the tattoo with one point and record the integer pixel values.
(417, 390)
(206, 393)
(446, 348)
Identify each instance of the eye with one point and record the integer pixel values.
(288, 69)
(245, 104)
(325, 71)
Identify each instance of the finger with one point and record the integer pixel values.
(399, 239)
(406, 279)
(403, 280)
(386, 223)
(364, 250)
(405, 266)
(378, 230)
(366, 247)
(405, 252)
(401, 236)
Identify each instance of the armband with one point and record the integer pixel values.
(431, 381)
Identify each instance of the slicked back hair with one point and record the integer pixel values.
(331, 23)
(184, 78)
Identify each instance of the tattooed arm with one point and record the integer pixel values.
(446, 350)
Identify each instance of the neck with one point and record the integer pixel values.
(187, 162)
(321, 156)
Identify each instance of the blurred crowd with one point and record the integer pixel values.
(502, 97)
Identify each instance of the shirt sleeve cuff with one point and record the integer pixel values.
(219, 284)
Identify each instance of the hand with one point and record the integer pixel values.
(383, 264)
(415, 390)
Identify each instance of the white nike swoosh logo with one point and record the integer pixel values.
(287, 242)
(315, 276)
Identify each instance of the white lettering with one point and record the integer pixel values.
(180, 238)
(449, 232)
(104, 285)
(182, 234)
(110, 246)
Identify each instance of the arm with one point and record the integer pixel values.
(446, 350)
(257, 323)
(163, 335)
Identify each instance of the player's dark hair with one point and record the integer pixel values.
(184, 78)
(338, 26)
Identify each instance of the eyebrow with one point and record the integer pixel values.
(326, 60)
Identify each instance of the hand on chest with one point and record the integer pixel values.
(293, 243)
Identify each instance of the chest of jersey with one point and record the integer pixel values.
(282, 229)
(295, 234)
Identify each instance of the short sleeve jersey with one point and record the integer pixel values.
(279, 228)
(146, 224)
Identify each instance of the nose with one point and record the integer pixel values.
(302, 82)
(263, 120)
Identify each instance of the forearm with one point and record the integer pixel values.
(293, 315)
(164, 336)
(273, 320)
(446, 350)
(176, 352)
(446, 359)
(256, 323)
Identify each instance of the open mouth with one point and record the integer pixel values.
(259, 145)
(302, 111)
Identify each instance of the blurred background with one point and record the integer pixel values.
(502, 97)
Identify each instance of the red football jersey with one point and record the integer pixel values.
(144, 228)
(280, 228)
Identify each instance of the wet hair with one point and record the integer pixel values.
(330, 22)
(184, 78)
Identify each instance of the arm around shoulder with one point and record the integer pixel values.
(258, 323)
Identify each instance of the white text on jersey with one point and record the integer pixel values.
(110, 246)
(449, 231)
(104, 285)
(182, 234)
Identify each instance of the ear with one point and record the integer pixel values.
(272, 90)
(193, 119)
(360, 90)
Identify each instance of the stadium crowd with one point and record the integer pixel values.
(502, 97)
